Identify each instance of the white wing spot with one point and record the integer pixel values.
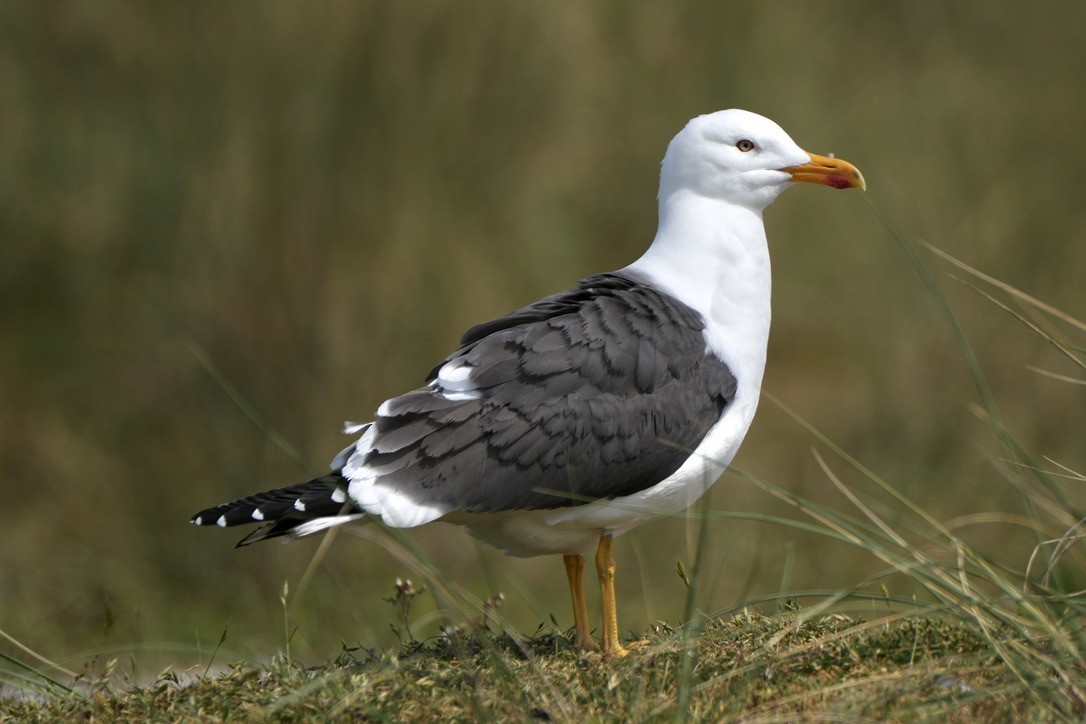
(454, 376)
(299, 505)
(339, 495)
(460, 396)
(257, 515)
(454, 382)
(221, 522)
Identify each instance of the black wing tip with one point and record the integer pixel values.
(225, 516)
(209, 516)
(281, 509)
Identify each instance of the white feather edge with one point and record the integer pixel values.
(318, 524)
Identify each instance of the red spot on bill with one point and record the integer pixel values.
(838, 181)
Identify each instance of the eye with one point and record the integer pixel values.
(745, 145)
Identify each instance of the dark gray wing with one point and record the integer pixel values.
(598, 392)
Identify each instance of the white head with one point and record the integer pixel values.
(744, 159)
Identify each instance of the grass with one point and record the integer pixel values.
(758, 666)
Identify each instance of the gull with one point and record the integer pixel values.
(568, 422)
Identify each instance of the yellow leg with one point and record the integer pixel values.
(605, 569)
(575, 573)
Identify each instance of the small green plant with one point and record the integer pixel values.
(288, 634)
(402, 599)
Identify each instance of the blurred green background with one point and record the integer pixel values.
(320, 197)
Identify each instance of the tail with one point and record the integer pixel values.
(294, 511)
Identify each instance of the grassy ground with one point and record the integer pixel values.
(759, 667)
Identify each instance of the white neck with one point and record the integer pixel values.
(712, 255)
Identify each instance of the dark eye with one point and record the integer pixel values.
(744, 145)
